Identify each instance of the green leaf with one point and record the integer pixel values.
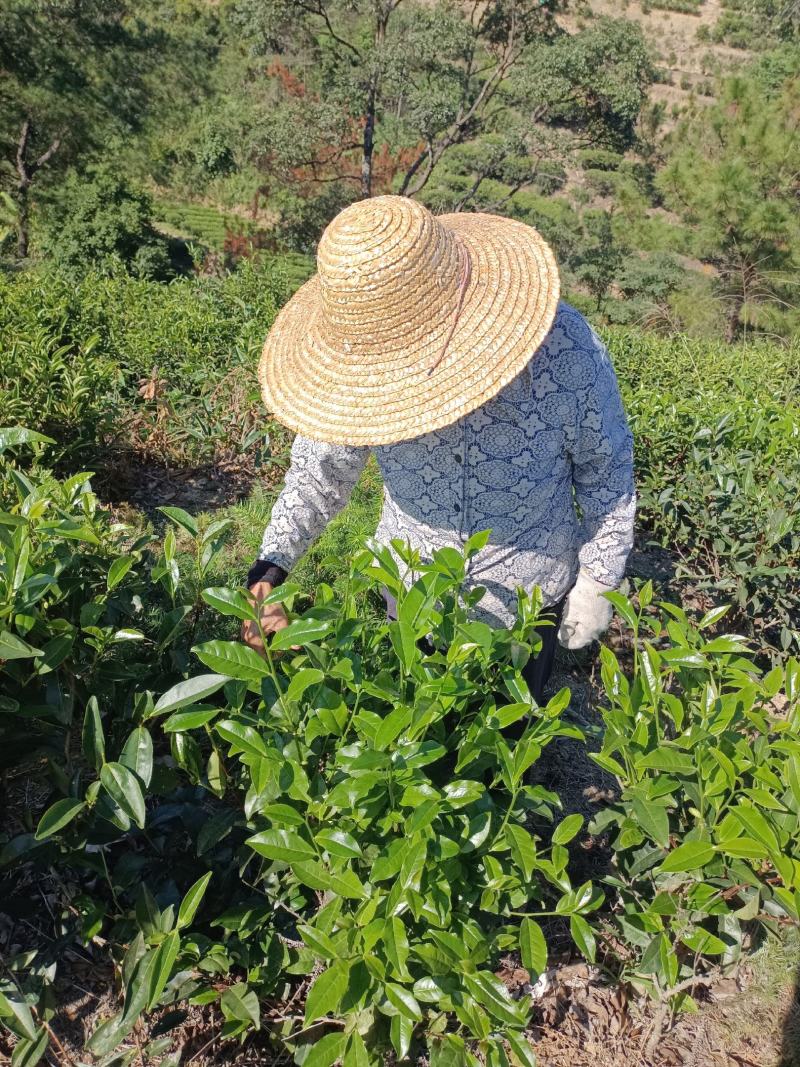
(355, 1054)
(343, 883)
(124, 789)
(58, 816)
(12, 647)
(326, 992)
(191, 691)
(117, 571)
(583, 937)
(567, 829)
(181, 518)
(532, 947)
(401, 1031)
(493, 995)
(161, 969)
(664, 758)
(230, 602)
(12, 436)
(17, 1009)
(395, 943)
(704, 942)
(756, 826)
(300, 632)
(521, 1052)
(137, 755)
(93, 739)
(281, 844)
(318, 941)
(326, 1050)
(242, 1004)
(232, 659)
(447, 1051)
(403, 1000)
(689, 856)
(404, 642)
(241, 736)
(191, 902)
(303, 680)
(28, 1053)
(338, 843)
(653, 819)
(189, 719)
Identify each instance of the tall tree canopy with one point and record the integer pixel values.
(734, 177)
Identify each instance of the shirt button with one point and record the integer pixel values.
(457, 507)
(458, 458)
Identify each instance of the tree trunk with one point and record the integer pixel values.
(22, 220)
(369, 144)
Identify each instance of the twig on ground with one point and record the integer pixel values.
(657, 1026)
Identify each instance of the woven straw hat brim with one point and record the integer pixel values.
(314, 388)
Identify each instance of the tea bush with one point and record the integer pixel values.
(717, 451)
(168, 368)
(352, 840)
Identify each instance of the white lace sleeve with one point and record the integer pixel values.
(602, 462)
(317, 486)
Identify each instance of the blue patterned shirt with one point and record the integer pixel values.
(554, 438)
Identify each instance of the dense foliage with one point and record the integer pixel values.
(349, 829)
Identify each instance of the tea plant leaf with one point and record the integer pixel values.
(355, 1055)
(240, 1003)
(300, 632)
(338, 843)
(283, 845)
(532, 947)
(326, 992)
(189, 692)
(189, 719)
(230, 602)
(756, 826)
(401, 1030)
(404, 642)
(491, 994)
(191, 902)
(583, 937)
(704, 942)
(567, 829)
(12, 1008)
(117, 571)
(241, 737)
(522, 1054)
(137, 755)
(343, 883)
(403, 1000)
(58, 816)
(181, 518)
(124, 789)
(664, 758)
(93, 739)
(302, 681)
(161, 968)
(653, 819)
(689, 856)
(447, 1051)
(318, 941)
(232, 659)
(395, 943)
(28, 1053)
(13, 647)
(12, 436)
(325, 1051)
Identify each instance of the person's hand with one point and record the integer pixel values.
(587, 613)
(272, 616)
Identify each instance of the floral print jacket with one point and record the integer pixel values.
(554, 438)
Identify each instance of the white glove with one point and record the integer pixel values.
(587, 613)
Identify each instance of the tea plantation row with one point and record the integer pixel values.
(335, 844)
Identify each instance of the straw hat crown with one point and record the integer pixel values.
(412, 321)
(388, 273)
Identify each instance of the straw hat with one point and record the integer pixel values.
(411, 322)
